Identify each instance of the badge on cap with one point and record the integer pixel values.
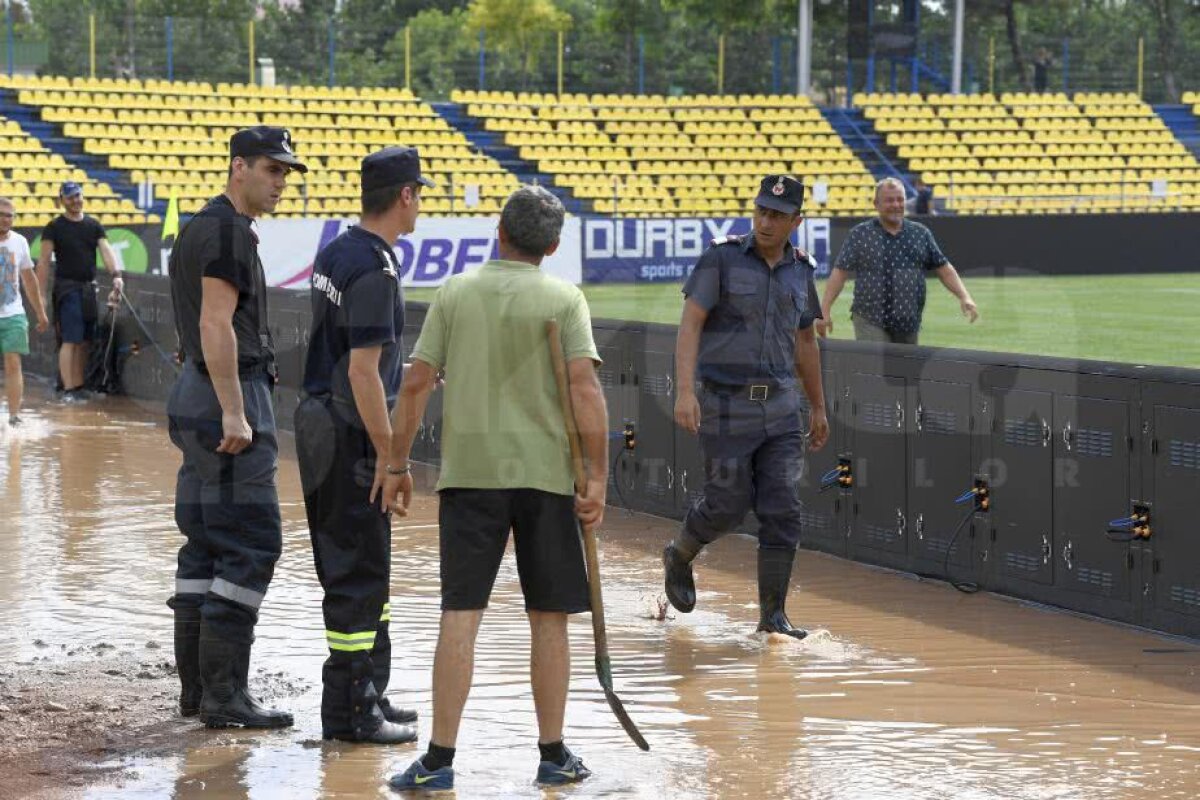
(286, 143)
(778, 189)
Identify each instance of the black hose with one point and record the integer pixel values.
(174, 364)
(965, 587)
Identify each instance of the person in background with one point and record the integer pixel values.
(923, 201)
(1041, 70)
(16, 272)
(889, 257)
(73, 238)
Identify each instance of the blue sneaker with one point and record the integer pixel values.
(571, 771)
(417, 778)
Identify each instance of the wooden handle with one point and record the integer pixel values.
(590, 550)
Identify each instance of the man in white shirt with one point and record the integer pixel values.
(16, 269)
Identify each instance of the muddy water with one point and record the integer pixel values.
(917, 692)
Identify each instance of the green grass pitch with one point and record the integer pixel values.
(1136, 319)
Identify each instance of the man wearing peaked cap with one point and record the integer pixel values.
(351, 377)
(221, 417)
(781, 193)
(265, 140)
(745, 341)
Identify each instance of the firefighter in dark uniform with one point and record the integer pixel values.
(351, 376)
(220, 415)
(747, 337)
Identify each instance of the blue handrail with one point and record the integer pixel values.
(895, 173)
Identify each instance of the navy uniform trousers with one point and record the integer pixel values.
(226, 505)
(351, 540)
(753, 459)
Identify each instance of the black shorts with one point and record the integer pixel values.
(474, 533)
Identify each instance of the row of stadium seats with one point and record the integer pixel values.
(176, 135)
(204, 89)
(1092, 152)
(30, 176)
(652, 101)
(603, 148)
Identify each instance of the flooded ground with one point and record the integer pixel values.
(918, 692)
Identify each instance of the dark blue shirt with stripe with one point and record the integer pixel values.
(753, 310)
(356, 302)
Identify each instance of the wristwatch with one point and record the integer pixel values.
(390, 470)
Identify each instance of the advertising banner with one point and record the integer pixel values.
(438, 248)
(655, 250)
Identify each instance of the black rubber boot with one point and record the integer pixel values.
(224, 672)
(679, 582)
(388, 733)
(187, 658)
(774, 577)
(395, 713)
(351, 709)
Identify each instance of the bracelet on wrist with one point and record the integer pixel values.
(390, 470)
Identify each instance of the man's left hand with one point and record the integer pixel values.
(118, 283)
(969, 309)
(43, 324)
(818, 430)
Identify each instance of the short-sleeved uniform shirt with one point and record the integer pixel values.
(889, 272)
(221, 243)
(75, 244)
(753, 310)
(356, 302)
(502, 425)
(14, 259)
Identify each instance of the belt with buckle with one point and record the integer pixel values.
(246, 371)
(754, 391)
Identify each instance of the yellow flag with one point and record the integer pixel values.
(171, 223)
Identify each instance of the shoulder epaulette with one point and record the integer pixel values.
(388, 268)
(803, 256)
(731, 239)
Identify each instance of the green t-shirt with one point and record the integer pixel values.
(502, 426)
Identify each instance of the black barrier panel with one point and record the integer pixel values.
(1068, 449)
(615, 376)
(822, 508)
(1020, 472)
(1171, 420)
(940, 470)
(654, 460)
(879, 511)
(1093, 485)
(1072, 244)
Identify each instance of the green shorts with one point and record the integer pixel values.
(14, 335)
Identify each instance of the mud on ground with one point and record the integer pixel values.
(71, 716)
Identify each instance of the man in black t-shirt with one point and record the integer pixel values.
(221, 417)
(351, 377)
(73, 239)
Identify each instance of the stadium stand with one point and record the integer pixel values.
(1039, 153)
(633, 155)
(176, 134)
(652, 156)
(31, 175)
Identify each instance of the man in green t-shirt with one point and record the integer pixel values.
(506, 465)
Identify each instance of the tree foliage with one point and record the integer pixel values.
(611, 45)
